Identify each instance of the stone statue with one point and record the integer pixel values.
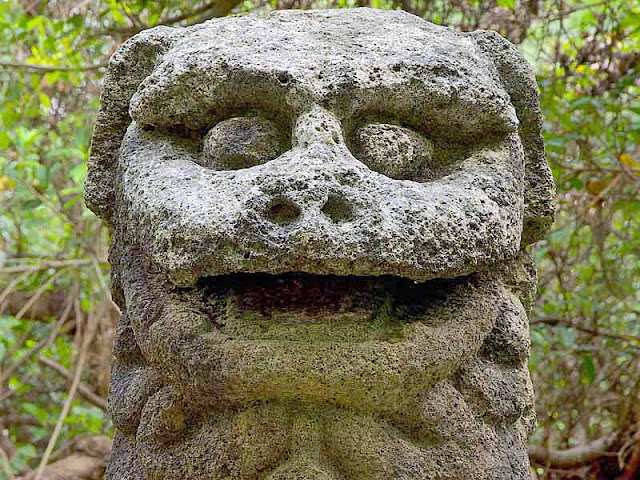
(319, 221)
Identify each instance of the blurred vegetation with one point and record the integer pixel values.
(56, 316)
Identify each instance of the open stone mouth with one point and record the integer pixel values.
(298, 350)
(345, 340)
(303, 307)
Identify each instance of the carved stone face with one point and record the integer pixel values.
(314, 213)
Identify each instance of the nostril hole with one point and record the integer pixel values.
(337, 209)
(282, 211)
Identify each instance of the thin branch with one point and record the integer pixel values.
(82, 359)
(132, 30)
(7, 291)
(554, 322)
(83, 389)
(103, 284)
(4, 376)
(13, 419)
(221, 9)
(571, 457)
(35, 68)
(633, 466)
(37, 294)
(6, 465)
(56, 210)
(46, 265)
(563, 14)
(187, 15)
(217, 8)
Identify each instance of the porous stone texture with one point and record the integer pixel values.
(319, 221)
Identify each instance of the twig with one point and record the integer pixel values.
(56, 210)
(184, 16)
(217, 8)
(103, 283)
(5, 464)
(36, 295)
(39, 346)
(4, 396)
(83, 389)
(13, 419)
(52, 68)
(91, 329)
(552, 321)
(46, 265)
(17, 345)
(221, 9)
(571, 457)
(7, 291)
(101, 279)
(566, 13)
(633, 466)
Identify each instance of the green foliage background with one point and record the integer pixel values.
(54, 301)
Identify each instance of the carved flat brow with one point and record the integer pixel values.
(444, 127)
(423, 111)
(201, 107)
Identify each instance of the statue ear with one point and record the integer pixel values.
(519, 81)
(128, 67)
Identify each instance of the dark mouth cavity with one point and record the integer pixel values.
(328, 294)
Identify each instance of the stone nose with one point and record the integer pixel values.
(307, 186)
(317, 125)
(283, 211)
(337, 209)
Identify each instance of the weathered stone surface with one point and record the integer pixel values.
(242, 142)
(318, 229)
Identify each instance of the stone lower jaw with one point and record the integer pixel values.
(429, 403)
(226, 360)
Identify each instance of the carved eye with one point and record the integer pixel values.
(392, 150)
(242, 142)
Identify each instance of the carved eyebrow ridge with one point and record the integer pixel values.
(472, 109)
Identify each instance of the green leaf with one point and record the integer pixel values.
(78, 173)
(588, 368)
(45, 101)
(509, 4)
(40, 413)
(577, 184)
